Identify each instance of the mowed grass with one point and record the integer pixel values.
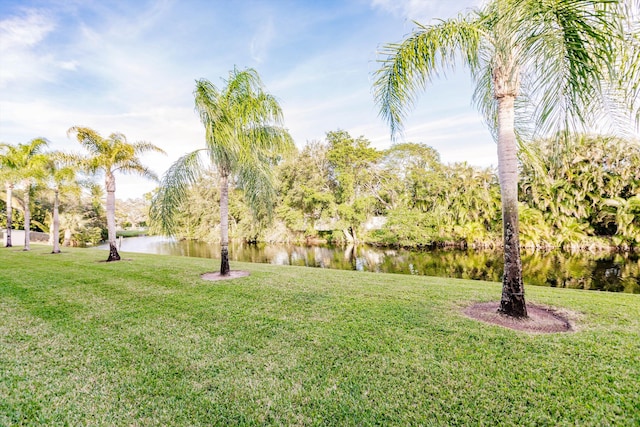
(145, 341)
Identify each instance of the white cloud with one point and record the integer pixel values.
(424, 10)
(24, 31)
(261, 41)
(20, 59)
(68, 65)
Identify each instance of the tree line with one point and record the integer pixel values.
(582, 194)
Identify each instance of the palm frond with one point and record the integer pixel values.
(142, 147)
(173, 190)
(257, 180)
(272, 140)
(88, 138)
(409, 66)
(629, 59)
(69, 159)
(136, 167)
(483, 98)
(570, 49)
(36, 145)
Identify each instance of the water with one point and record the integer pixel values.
(602, 271)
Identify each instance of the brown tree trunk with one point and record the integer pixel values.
(224, 224)
(512, 302)
(9, 188)
(113, 253)
(110, 184)
(56, 224)
(27, 216)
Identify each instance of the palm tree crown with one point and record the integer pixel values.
(22, 163)
(244, 132)
(556, 57)
(113, 154)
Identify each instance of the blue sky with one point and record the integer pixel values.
(130, 66)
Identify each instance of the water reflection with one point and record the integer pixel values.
(603, 271)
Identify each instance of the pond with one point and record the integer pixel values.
(584, 270)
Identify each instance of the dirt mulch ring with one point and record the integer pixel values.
(233, 274)
(541, 320)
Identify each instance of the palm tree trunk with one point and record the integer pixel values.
(224, 224)
(56, 224)
(110, 184)
(9, 188)
(512, 302)
(27, 216)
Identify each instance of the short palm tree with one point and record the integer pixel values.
(555, 59)
(244, 137)
(22, 164)
(72, 223)
(108, 156)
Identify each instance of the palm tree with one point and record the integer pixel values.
(557, 55)
(62, 179)
(244, 137)
(108, 156)
(8, 175)
(9, 185)
(22, 164)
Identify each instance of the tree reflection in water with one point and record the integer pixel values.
(584, 270)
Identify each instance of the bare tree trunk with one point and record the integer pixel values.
(224, 224)
(67, 237)
(56, 224)
(9, 188)
(110, 184)
(512, 302)
(27, 216)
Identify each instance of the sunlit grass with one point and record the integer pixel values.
(145, 341)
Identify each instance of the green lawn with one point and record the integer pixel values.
(145, 341)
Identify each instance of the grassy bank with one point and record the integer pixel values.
(146, 342)
(131, 233)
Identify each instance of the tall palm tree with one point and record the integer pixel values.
(244, 137)
(22, 164)
(62, 178)
(108, 156)
(8, 176)
(557, 55)
(9, 185)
